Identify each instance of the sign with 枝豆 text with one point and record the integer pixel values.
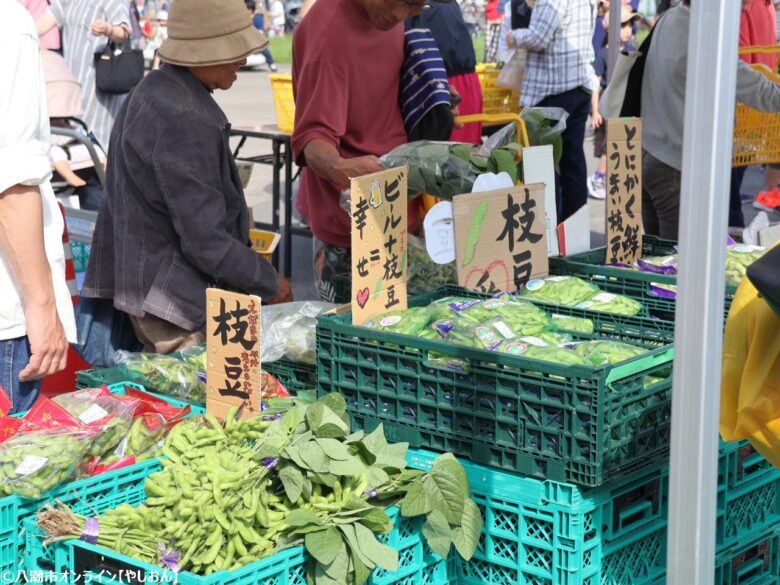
(232, 353)
(624, 190)
(379, 243)
(500, 238)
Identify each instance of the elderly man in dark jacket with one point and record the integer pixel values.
(174, 220)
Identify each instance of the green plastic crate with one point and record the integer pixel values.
(294, 376)
(578, 424)
(417, 564)
(97, 377)
(755, 562)
(633, 283)
(103, 487)
(80, 254)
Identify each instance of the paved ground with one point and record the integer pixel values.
(250, 102)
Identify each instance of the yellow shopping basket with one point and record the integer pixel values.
(757, 134)
(496, 100)
(284, 102)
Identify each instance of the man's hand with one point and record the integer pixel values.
(597, 119)
(344, 170)
(285, 294)
(48, 345)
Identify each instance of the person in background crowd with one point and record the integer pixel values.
(445, 21)
(36, 311)
(258, 20)
(160, 34)
(87, 26)
(51, 40)
(597, 182)
(278, 18)
(663, 111)
(493, 31)
(174, 220)
(347, 59)
(559, 73)
(601, 25)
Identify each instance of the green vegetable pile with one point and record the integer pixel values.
(506, 324)
(424, 275)
(570, 291)
(230, 495)
(164, 374)
(289, 331)
(33, 463)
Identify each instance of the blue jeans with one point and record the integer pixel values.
(14, 356)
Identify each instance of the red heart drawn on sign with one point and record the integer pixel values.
(362, 298)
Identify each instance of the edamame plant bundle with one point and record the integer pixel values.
(235, 493)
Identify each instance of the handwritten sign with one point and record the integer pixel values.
(379, 243)
(233, 353)
(500, 238)
(624, 190)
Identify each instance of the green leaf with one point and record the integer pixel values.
(335, 572)
(292, 480)
(416, 502)
(324, 422)
(360, 571)
(348, 530)
(301, 517)
(381, 555)
(323, 478)
(452, 484)
(437, 533)
(376, 520)
(377, 477)
(334, 449)
(293, 453)
(355, 437)
(466, 536)
(337, 404)
(386, 455)
(351, 467)
(324, 546)
(313, 457)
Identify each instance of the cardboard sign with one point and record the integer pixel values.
(624, 190)
(539, 167)
(574, 233)
(500, 238)
(379, 246)
(232, 353)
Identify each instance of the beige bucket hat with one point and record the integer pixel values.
(209, 32)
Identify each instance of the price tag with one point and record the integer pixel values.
(504, 329)
(624, 190)
(500, 238)
(604, 297)
(379, 243)
(233, 336)
(30, 464)
(92, 414)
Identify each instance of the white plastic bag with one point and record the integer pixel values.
(513, 71)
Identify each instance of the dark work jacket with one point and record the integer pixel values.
(173, 220)
(445, 21)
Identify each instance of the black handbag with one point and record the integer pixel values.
(118, 67)
(764, 274)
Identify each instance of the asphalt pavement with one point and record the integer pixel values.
(250, 102)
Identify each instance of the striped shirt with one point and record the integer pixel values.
(560, 49)
(423, 77)
(75, 17)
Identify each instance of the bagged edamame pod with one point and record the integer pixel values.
(567, 291)
(538, 349)
(738, 258)
(577, 324)
(164, 374)
(406, 322)
(605, 302)
(600, 353)
(35, 462)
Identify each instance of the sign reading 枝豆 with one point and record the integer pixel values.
(379, 243)
(624, 190)
(232, 353)
(500, 238)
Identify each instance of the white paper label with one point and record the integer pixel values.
(557, 278)
(92, 414)
(440, 233)
(604, 297)
(534, 341)
(390, 321)
(534, 285)
(31, 464)
(504, 329)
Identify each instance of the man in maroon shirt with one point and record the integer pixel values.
(347, 57)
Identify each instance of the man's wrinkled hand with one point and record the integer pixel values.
(346, 169)
(285, 293)
(48, 344)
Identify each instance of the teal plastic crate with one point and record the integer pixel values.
(755, 562)
(633, 283)
(417, 564)
(576, 424)
(97, 377)
(104, 487)
(294, 376)
(554, 533)
(79, 251)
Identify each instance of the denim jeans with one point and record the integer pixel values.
(14, 356)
